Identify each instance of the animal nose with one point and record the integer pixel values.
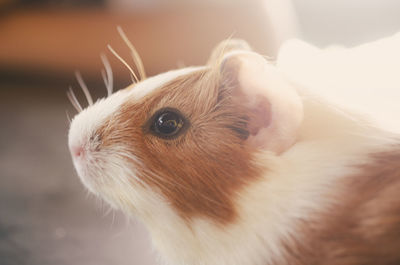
(77, 151)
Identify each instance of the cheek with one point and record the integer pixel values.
(120, 181)
(197, 175)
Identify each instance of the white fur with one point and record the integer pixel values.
(364, 78)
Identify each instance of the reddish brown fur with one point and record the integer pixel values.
(200, 171)
(364, 227)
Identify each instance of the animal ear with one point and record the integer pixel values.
(274, 110)
(227, 46)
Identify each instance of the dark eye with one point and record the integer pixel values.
(167, 123)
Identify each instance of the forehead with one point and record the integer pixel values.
(138, 91)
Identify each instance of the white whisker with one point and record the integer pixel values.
(69, 119)
(103, 75)
(106, 211)
(108, 75)
(123, 62)
(135, 55)
(74, 101)
(113, 218)
(84, 87)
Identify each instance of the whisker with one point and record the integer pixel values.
(113, 218)
(84, 87)
(107, 211)
(105, 79)
(74, 101)
(68, 117)
(108, 75)
(123, 62)
(135, 55)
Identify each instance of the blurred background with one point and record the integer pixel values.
(46, 216)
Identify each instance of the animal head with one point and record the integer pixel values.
(187, 137)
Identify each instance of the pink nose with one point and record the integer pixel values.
(77, 151)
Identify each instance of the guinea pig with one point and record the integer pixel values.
(230, 163)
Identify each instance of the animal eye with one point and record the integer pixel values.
(167, 123)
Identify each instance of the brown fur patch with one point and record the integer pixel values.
(200, 171)
(364, 227)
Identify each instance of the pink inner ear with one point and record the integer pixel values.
(260, 115)
(273, 108)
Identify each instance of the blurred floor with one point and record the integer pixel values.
(45, 214)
